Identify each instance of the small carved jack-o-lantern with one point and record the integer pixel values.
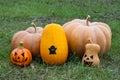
(21, 56)
(90, 57)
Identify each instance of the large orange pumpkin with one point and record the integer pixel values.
(78, 31)
(21, 56)
(53, 47)
(31, 38)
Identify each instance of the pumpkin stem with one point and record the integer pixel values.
(20, 44)
(87, 20)
(33, 24)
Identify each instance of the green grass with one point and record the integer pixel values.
(16, 15)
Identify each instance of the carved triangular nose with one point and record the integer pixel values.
(87, 58)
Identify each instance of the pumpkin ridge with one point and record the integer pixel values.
(23, 40)
(107, 36)
(106, 26)
(77, 40)
(37, 41)
(16, 37)
(94, 34)
(32, 39)
(99, 40)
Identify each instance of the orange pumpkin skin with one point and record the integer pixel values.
(78, 31)
(53, 47)
(21, 56)
(31, 38)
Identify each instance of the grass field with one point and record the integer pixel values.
(16, 15)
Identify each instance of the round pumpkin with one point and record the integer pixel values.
(21, 56)
(53, 47)
(31, 38)
(79, 30)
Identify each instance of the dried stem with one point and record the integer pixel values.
(87, 20)
(33, 24)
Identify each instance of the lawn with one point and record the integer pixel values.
(17, 15)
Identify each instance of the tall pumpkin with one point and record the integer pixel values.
(78, 31)
(53, 47)
(31, 38)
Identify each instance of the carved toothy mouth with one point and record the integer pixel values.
(15, 60)
(19, 61)
(87, 63)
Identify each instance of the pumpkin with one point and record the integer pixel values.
(34, 29)
(21, 56)
(31, 38)
(90, 57)
(78, 31)
(53, 47)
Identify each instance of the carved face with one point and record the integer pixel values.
(91, 55)
(88, 59)
(21, 57)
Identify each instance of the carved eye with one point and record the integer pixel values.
(85, 55)
(23, 54)
(18, 57)
(91, 57)
(26, 59)
(87, 58)
(15, 54)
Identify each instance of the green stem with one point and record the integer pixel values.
(33, 24)
(20, 44)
